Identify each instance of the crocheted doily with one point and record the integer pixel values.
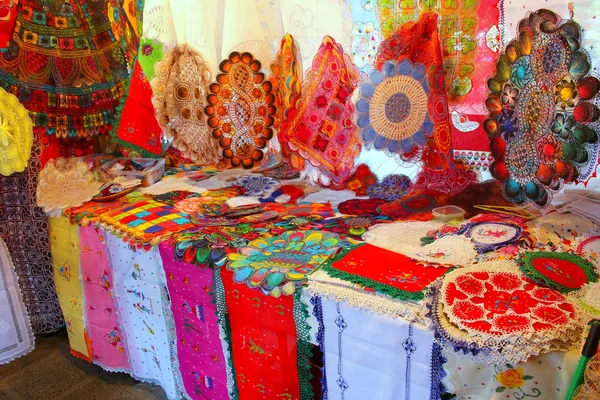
(65, 183)
(447, 250)
(16, 134)
(489, 236)
(401, 237)
(179, 99)
(494, 314)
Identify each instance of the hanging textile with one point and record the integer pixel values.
(201, 359)
(141, 297)
(16, 134)
(64, 243)
(404, 364)
(267, 352)
(100, 311)
(8, 18)
(136, 128)
(320, 127)
(24, 229)
(16, 338)
(66, 68)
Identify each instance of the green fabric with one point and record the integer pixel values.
(303, 349)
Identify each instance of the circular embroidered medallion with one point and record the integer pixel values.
(560, 271)
(489, 236)
(590, 248)
(255, 185)
(391, 188)
(543, 110)
(393, 109)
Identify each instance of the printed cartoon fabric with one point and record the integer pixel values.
(16, 134)
(263, 342)
(64, 242)
(24, 229)
(100, 310)
(542, 110)
(546, 376)
(141, 297)
(17, 337)
(241, 109)
(401, 365)
(385, 271)
(199, 349)
(136, 128)
(320, 127)
(66, 67)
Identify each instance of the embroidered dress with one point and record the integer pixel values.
(67, 68)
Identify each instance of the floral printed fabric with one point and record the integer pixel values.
(263, 342)
(200, 353)
(64, 243)
(141, 295)
(545, 377)
(100, 313)
(401, 365)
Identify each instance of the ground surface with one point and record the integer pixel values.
(50, 372)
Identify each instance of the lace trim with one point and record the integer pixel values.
(303, 349)
(320, 337)
(360, 299)
(437, 372)
(448, 250)
(400, 237)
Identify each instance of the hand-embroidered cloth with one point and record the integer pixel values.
(24, 229)
(404, 364)
(100, 310)
(16, 336)
(16, 132)
(137, 129)
(320, 127)
(64, 243)
(385, 271)
(547, 376)
(141, 297)
(590, 248)
(264, 343)
(201, 358)
(8, 13)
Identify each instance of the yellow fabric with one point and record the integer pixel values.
(16, 134)
(64, 244)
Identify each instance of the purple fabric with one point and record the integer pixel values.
(199, 348)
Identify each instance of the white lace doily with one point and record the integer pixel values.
(448, 250)
(400, 237)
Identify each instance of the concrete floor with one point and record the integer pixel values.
(50, 372)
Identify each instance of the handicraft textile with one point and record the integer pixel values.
(546, 376)
(16, 134)
(286, 79)
(449, 250)
(279, 264)
(140, 293)
(16, 336)
(384, 271)
(241, 109)
(8, 18)
(24, 229)
(391, 188)
(360, 206)
(145, 222)
(366, 33)
(200, 354)
(590, 248)
(64, 243)
(404, 364)
(563, 272)
(65, 183)
(361, 180)
(137, 128)
(100, 310)
(494, 314)
(255, 185)
(66, 67)
(542, 109)
(179, 101)
(268, 343)
(319, 127)
(489, 236)
(354, 226)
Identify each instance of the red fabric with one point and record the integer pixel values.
(138, 125)
(8, 18)
(263, 342)
(360, 206)
(388, 268)
(563, 272)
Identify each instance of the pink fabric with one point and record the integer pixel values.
(199, 348)
(108, 348)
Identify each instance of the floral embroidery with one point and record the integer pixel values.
(514, 378)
